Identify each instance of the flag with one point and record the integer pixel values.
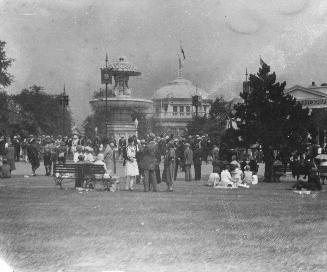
(262, 62)
(183, 53)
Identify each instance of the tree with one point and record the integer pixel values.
(269, 117)
(5, 77)
(41, 112)
(95, 120)
(198, 125)
(215, 123)
(4, 113)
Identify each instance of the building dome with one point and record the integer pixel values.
(179, 88)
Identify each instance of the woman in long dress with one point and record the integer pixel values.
(108, 155)
(10, 155)
(132, 169)
(170, 166)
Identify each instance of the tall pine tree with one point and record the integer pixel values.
(271, 118)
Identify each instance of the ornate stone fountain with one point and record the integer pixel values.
(121, 107)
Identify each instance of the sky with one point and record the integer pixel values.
(57, 42)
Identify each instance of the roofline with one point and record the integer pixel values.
(309, 90)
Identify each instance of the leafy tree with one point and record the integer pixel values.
(319, 124)
(5, 77)
(41, 112)
(269, 117)
(215, 123)
(198, 125)
(4, 113)
(95, 120)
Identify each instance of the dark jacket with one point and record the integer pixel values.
(197, 156)
(188, 155)
(149, 159)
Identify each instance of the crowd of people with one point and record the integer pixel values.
(141, 158)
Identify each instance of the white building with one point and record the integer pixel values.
(173, 106)
(311, 97)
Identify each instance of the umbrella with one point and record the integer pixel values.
(321, 157)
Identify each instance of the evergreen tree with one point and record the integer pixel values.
(271, 118)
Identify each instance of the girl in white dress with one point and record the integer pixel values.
(132, 169)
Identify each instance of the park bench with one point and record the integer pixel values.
(85, 174)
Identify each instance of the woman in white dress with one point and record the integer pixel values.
(132, 169)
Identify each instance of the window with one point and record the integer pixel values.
(188, 110)
(166, 107)
(181, 110)
(174, 110)
(174, 131)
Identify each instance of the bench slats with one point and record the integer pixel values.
(86, 172)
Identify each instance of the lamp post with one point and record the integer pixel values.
(63, 101)
(196, 102)
(106, 78)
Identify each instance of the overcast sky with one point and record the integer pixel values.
(64, 42)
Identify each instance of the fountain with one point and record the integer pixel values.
(121, 107)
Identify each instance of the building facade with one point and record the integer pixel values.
(312, 97)
(173, 108)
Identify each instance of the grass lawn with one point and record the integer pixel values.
(195, 228)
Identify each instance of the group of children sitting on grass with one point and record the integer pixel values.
(232, 176)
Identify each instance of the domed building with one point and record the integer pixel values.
(173, 106)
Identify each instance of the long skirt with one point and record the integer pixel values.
(169, 173)
(132, 168)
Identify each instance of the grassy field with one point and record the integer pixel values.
(195, 228)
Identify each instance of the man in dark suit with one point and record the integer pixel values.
(197, 161)
(149, 164)
(16, 145)
(188, 156)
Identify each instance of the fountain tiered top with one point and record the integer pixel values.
(119, 98)
(121, 71)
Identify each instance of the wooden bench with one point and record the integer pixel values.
(85, 175)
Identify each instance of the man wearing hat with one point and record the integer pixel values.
(47, 158)
(197, 161)
(149, 164)
(179, 161)
(33, 155)
(188, 156)
(16, 145)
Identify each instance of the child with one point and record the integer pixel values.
(5, 169)
(254, 178)
(88, 154)
(247, 177)
(225, 177)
